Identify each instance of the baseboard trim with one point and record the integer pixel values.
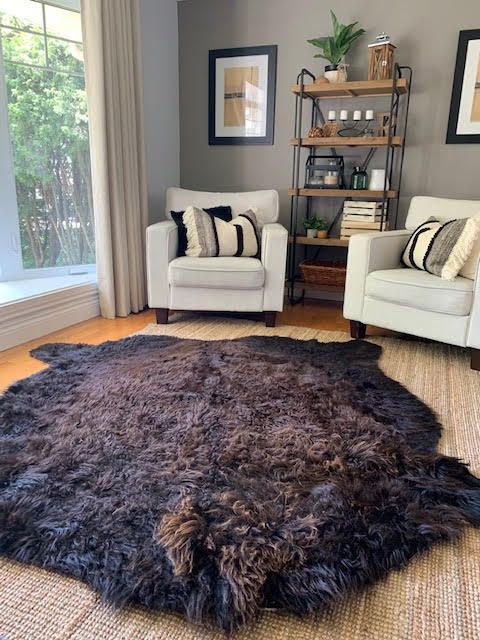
(38, 316)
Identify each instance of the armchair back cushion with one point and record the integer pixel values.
(424, 207)
(265, 202)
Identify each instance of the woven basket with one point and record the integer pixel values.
(320, 272)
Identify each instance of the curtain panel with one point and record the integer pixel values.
(114, 86)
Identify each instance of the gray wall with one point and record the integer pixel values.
(426, 33)
(160, 68)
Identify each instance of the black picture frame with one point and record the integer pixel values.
(214, 55)
(452, 136)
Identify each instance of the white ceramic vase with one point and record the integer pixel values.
(377, 180)
(336, 75)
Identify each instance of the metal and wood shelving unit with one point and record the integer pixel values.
(398, 91)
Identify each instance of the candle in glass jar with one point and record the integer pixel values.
(331, 179)
(343, 114)
(332, 115)
(369, 114)
(357, 115)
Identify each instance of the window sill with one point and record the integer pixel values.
(17, 290)
(42, 311)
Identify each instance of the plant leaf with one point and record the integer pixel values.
(336, 25)
(335, 47)
(318, 42)
(347, 34)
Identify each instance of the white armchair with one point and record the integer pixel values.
(379, 291)
(217, 284)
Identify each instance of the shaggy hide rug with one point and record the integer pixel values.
(217, 478)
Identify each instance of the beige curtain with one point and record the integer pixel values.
(115, 110)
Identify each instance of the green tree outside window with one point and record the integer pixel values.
(48, 125)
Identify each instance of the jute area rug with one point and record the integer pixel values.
(436, 597)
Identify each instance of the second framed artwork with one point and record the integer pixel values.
(464, 119)
(241, 95)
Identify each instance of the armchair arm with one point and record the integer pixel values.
(473, 336)
(162, 243)
(369, 252)
(274, 260)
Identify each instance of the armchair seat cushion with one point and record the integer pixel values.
(421, 290)
(217, 273)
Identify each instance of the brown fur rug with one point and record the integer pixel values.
(216, 478)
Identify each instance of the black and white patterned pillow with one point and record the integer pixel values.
(441, 248)
(210, 236)
(224, 212)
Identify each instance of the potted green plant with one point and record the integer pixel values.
(322, 228)
(310, 225)
(315, 226)
(335, 47)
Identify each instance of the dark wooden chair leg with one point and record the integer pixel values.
(270, 318)
(357, 329)
(162, 316)
(475, 359)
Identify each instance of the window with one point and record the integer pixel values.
(46, 212)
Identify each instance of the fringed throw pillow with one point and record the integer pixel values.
(223, 212)
(441, 248)
(209, 236)
(469, 269)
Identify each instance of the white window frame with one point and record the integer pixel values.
(11, 259)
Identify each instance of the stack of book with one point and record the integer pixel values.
(361, 217)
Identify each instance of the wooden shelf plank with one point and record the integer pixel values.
(358, 194)
(320, 242)
(356, 88)
(340, 141)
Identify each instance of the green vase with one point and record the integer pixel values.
(359, 179)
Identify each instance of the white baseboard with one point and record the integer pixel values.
(38, 316)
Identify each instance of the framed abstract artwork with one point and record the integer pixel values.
(464, 119)
(241, 95)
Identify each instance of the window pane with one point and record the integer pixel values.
(21, 13)
(23, 47)
(67, 56)
(48, 126)
(47, 118)
(63, 23)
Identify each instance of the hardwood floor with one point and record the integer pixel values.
(17, 363)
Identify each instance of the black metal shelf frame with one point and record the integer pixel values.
(316, 118)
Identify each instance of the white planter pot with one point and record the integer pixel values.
(311, 233)
(336, 75)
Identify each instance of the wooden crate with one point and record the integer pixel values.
(362, 217)
(361, 211)
(351, 227)
(362, 204)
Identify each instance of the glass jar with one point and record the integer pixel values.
(359, 179)
(331, 179)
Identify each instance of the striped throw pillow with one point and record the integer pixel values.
(223, 212)
(210, 236)
(441, 248)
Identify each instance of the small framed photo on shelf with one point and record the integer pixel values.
(241, 95)
(464, 118)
